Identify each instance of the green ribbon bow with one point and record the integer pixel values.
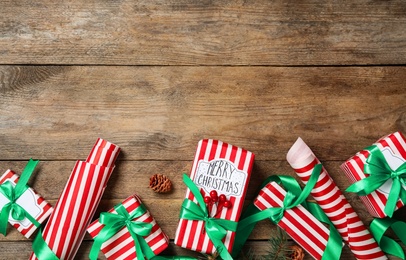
(388, 245)
(12, 193)
(115, 222)
(215, 228)
(294, 197)
(379, 172)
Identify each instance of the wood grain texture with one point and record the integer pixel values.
(160, 113)
(185, 32)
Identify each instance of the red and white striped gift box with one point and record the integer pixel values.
(31, 201)
(227, 169)
(79, 199)
(298, 222)
(121, 245)
(393, 148)
(334, 204)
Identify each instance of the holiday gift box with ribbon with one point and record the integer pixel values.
(378, 174)
(128, 231)
(214, 197)
(298, 222)
(287, 207)
(20, 205)
(334, 204)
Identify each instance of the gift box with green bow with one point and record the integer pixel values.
(378, 174)
(127, 231)
(20, 205)
(214, 198)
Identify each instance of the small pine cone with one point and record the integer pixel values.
(160, 183)
(297, 253)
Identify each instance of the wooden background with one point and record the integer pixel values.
(156, 76)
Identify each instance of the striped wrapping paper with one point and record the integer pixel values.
(393, 148)
(79, 199)
(298, 222)
(222, 167)
(334, 204)
(33, 203)
(121, 245)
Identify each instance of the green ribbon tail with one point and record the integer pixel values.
(378, 228)
(243, 233)
(141, 246)
(393, 198)
(41, 249)
(21, 185)
(5, 213)
(334, 245)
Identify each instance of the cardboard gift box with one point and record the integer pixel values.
(393, 149)
(31, 201)
(298, 222)
(225, 170)
(121, 245)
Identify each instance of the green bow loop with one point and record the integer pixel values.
(113, 223)
(215, 228)
(12, 193)
(379, 172)
(390, 246)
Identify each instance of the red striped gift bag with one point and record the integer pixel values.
(393, 149)
(225, 169)
(77, 204)
(298, 222)
(334, 204)
(31, 201)
(122, 245)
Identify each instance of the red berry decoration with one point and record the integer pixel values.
(227, 204)
(207, 199)
(222, 198)
(213, 195)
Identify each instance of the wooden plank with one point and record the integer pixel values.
(160, 113)
(261, 32)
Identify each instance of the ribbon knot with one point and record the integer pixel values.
(215, 228)
(115, 222)
(12, 193)
(379, 171)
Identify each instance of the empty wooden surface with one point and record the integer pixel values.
(155, 77)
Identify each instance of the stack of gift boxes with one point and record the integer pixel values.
(211, 216)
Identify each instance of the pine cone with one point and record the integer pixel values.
(297, 253)
(160, 183)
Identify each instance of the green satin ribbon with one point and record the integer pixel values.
(115, 222)
(388, 245)
(215, 228)
(41, 248)
(12, 193)
(294, 197)
(379, 172)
